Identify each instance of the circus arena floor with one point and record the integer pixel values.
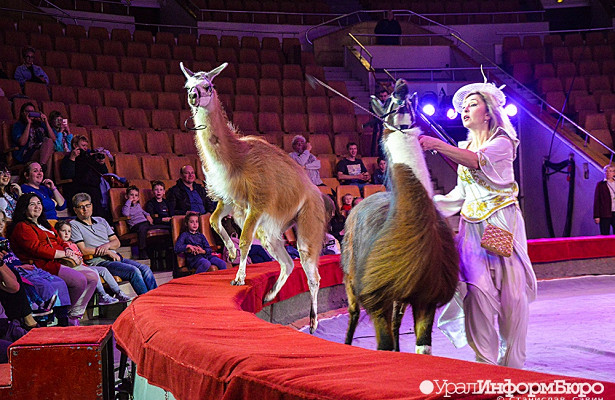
(571, 331)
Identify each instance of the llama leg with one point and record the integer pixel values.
(353, 309)
(245, 242)
(423, 324)
(384, 332)
(309, 262)
(398, 314)
(275, 247)
(221, 211)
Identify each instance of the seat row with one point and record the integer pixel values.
(29, 32)
(598, 53)
(569, 40)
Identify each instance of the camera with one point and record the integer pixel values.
(98, 156)
(34, 114)
(5, 246)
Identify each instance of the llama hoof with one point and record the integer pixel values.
(237, 282)
(232, 253)
(268, 297)
(423, 349)
(313, 326)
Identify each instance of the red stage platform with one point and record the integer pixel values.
(197, 337)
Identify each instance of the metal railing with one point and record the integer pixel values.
(300, 16)
(104, 6)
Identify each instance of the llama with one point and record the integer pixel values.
(398, 249)
(264, 189)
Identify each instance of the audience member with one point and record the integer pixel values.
(195, 246)
(346, 204)
(49, 289)
(351, 170)
(35, 182)
(16, 307)
(9, 192)
(28, 72)
(356, 201)
(64, 230)
(60, 128)
(380, 174)
(95, 237)
(604, 201)
(378, 105)
(157, 206)
(139, 221)
(32, 136)
(86, 169)
(187, 195)
(33, 238)
(388, 26)
(308, 161)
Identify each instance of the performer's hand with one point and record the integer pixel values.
(429, 142)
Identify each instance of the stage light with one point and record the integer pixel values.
(429, 109)
(511, 110)
(428, 103)
(451, 113)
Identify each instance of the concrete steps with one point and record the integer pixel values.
(356, 90)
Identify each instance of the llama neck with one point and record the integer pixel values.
(216, 141)
(404, 148)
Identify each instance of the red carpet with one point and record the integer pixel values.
(197, 338)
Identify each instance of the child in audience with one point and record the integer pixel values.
(346, 204)
(356, 201)
(157, 207)
(195, 246)
(139, 220)
(64, 230)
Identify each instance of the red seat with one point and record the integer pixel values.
(75, 31)
(98, 79)
(144, 100)
(124, 81)
(269, 87)
(174, 83)
(37, 91)
(319, 123)
(244, 120)
(64, 94)
(292, 71)
(158, 143)
(166, 38)
(135, 118)
(343, 123)
(183, 144)
(131, 142)
(295, 123)
(135, 49)
(140, 36)
(89, 96)
(150, 83)
(131, 64)
(66, 44)
(107, 63)
(89, 46)
(269, 122)
(246, 103)
(49, 106)
(57, 59)
(156, 66)
(270, 104)
(81, 114)
(104, 138)
(71, 77)
(159, 50)
(271, 71)
(114, 48)
(164, 119)
(294, 105)
(183, 53)
(292, 87)
(98, 33)
(154, 167)
(108, 117)
(170, 101)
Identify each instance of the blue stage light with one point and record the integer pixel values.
(511, 110)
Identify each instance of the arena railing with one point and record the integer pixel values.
(104, 6)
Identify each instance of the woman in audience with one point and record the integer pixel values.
(33, 238)
(45, 189)
(604, 201)
(33, 136)
(60, 128)
(9, 192)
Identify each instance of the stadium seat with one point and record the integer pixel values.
(131, 142)
(154, 167)
(183, 144)
(104, 138)
(158, 143)
(164, 120)
(135, 118)
(115, 98)
(90, 96)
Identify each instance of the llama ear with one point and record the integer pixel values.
(214, 72)
(189, 74)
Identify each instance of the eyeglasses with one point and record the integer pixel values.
(28, 57)
(84, 206)
(5, 173)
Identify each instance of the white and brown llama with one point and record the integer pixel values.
(260, 185)
(397, 249)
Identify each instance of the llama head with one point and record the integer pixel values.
(200, 85)
(402, 107)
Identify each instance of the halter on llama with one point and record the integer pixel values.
(261, 186)
(398, 250)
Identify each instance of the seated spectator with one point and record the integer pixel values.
(33, 238)
(32, 136)
(64, 230)
(346, 204)
(9, 192)
(380, 174)
(16, 307)
(351, 170)
(356, 201)
(60, 128)
(35, 182)
(196, 248)
(308, 161)
(139, 221)
(187, 195)
(157, 207)
(28, 72)
(95, 237)
(50, 292)
(86, 168)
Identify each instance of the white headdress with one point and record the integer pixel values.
(485, 87)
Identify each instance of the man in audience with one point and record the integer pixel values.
(187, 195)
(351, 170)
(28, 72)
(308, 161)
(86, 168)
(96, 238)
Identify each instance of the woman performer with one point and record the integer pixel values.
(486, 194)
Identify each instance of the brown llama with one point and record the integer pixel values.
(261, 186)
(398, 250)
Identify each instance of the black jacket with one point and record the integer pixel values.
(179, 202)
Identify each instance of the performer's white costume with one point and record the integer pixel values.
(490, 285)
